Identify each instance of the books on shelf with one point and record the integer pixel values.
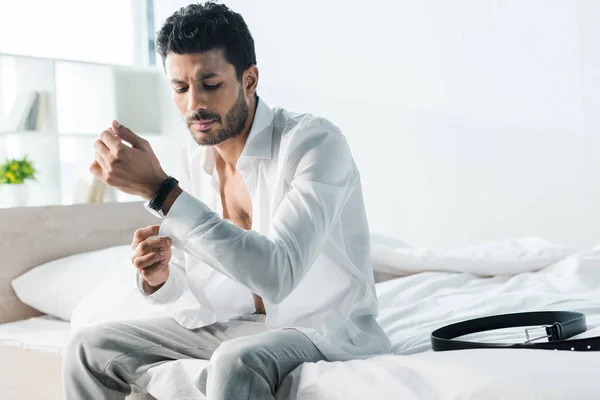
(43, 121)
(19, 114)
(30, 112)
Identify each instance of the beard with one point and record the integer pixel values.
(235, 121)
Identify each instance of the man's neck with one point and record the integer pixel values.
(231, 149)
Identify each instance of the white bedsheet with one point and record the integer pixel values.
(47, 334)
(412, 307)
(465, 375)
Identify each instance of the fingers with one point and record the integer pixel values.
(143, 234)
(151, 255)
(148, 260)
(102, 154)
(153, 244)
(102, 162)
(110, 141)
(96, 170)
(110, 147)
(108, 151)
(127, 135)
(101, 147)
(155, 274)
(151, 258)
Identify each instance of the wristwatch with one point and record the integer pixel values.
(155, 205)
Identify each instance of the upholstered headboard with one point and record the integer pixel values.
(30, 236)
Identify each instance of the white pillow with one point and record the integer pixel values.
(56, 287)
(508, 257)
(115, 298)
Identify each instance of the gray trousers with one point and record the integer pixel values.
(109, 360)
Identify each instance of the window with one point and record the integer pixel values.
(106, 31)
(150, 32)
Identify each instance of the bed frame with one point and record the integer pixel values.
(30, 236)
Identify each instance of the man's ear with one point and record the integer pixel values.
(250, 80)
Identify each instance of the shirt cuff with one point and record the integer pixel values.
(166, 294)
(181, 218)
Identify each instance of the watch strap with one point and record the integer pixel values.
(157, 201)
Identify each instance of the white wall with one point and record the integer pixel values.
(470, 120)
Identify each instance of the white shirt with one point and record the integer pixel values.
(308, 253)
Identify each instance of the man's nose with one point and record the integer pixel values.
(196, 100)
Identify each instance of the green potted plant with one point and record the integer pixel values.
(14, 174)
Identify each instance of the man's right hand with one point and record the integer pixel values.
(151, 257)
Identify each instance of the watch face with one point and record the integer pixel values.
(156, 213)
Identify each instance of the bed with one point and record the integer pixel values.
(31, 344)
(411, 307)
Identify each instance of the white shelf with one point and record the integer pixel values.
(85, 98)
(91, 63)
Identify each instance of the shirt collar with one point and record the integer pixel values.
(258, 144)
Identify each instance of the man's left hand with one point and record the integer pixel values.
(134, 170)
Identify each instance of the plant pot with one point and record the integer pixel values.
(14, 195)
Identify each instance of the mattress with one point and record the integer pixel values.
(410, 309)
(31, 358)
(45, 334)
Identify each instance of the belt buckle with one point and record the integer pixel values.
(531, 340)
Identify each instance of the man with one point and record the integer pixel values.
(265, 236)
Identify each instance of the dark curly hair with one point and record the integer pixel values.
(203, 27)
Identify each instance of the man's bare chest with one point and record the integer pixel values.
(236, 202)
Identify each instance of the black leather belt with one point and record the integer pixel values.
(557, 326)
